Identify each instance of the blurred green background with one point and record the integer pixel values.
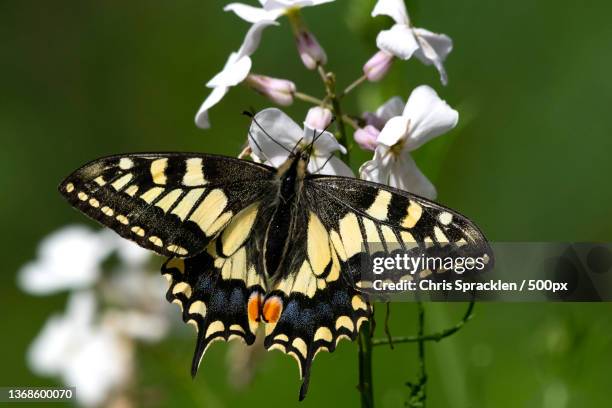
(529, 161)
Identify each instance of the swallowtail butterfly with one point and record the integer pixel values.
(248, 244)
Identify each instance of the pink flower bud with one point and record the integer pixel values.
(318, 118)
(366, 137)
(374, 120)
(279, 91)
(378, 66)
(310, 50)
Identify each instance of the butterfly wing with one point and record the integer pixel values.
(220, 290)
(364, 217)
(318, 300)
(173, 204)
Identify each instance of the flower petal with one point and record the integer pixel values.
(428, 115)
(253, 38)
(234, 72)
(399, 41)
(396, 9)
(285, 4)
(250, 13)
(395, 130)
(201, 118)
(405, 175)
(334, 166)
(441, 43)
(62, 334)
(69, 258)
(393, 107)
(434, 49)
(377, 169)
(273, 135)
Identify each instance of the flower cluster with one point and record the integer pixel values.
(110, 309)
(392, 131)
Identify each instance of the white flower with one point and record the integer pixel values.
(403, 40)
(287, 134)
(68, 258)
(94, 359)
(140, 311)
(311, 52)
(71, 258)
(271, 9)
(424, 117)
(235, 71)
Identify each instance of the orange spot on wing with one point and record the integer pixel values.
(254, 306)
(272, 309)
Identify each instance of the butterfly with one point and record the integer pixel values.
(249, 245)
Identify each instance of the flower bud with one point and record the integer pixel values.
(310, 50)
(378, 66)
(366, 137)
(318, 118)
(279, 91)
(373, 119)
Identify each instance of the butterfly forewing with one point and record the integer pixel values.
(363, 217)
(173, 204)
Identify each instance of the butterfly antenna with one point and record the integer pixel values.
(252, 116)
(258, 146)
(296, 145)
(317, 136)
(325, 164)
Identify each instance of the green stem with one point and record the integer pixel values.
(420, 394)
(308, 98)
(387, 330)
(354, 85)
(365, 366)
(330, 86)
(430, 337)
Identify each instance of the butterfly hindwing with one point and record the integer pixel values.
(219, 290)
(173, 204)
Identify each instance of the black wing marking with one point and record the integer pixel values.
(171, 203)
(219, 290)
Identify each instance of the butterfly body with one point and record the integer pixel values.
(251, 245)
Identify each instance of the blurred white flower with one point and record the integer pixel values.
(69, 258)
(88, 348)
(403, 40)
(92, 358)
(311, 52)
(287, 134)
(424, 117)
(235, 71)
(140, 310)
